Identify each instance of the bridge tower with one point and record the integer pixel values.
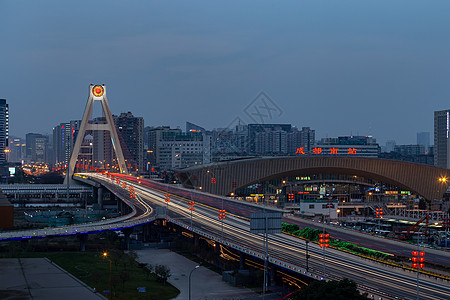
(97, 93)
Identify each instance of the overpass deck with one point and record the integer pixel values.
(284, 251)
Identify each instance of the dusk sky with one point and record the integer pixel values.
(377, 68)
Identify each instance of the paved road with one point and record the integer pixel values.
(376, 243)
(205, 284)
(38, 278)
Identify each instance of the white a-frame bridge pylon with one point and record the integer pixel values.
(97, 93)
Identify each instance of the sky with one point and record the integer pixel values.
(378, 68)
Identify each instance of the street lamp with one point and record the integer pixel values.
(213, 183)
(105, 255)
(421, 260)
(443, 180)
(189, 288)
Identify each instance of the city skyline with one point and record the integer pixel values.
(374, 69)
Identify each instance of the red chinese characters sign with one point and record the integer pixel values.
(331, 151)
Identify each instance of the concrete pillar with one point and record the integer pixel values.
(82, 238)
(95, 193)
(100, 197)
(195, 239)
(216, 248)
(126, 232)
(242, 260)
(117, 200)
(272, 274)
(146, 232)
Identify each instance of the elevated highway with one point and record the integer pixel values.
(284, 251)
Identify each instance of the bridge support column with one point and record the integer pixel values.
(100, 197)
(241, 260)
(272, 275)
(82, 238)
(126, 241)
(146, 232)
(195, 239)
(216, 248)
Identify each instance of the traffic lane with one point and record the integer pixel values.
(403, 288)
(380, 244)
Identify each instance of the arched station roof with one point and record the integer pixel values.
(423, 180)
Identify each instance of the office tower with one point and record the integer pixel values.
(304, 139)
(423, 138)
(4, 124)
(354, 146)
(154, 137)
(17, 147)
(253, 129)
(410, 149)
(64, 137)
(37, 147)
(131, 135)
(271, 142)
(441, 128)
(390, 146)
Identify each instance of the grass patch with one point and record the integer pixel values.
(313, 235)
(93, 269)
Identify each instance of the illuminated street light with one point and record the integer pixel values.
(105, 255)
(189, 290)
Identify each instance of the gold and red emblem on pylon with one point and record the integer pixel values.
(98, 91)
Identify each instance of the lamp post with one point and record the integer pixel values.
(213, 183)
(418, 262)
(189, 288)
(105, 255)
(443, 180)
(307, 255)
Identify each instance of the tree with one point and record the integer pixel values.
(129, 259)
(97, 277)
(337, 290)
(124, 277)
(148, 269)
(163, 272)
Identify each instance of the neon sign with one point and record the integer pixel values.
(319, 150)
(300, 150)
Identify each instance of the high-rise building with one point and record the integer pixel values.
(423, 138)
(410, 149)
(37, 147)
(271, 142)
(64, 137)
(17, 149)
(154, 136)
(173, 149)
(253, 129)
(304, 139)
(102, 152)
(4, 130)
(441, 128)
(177, 150)
(390, 146)
(131, 135)
(357, 146)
